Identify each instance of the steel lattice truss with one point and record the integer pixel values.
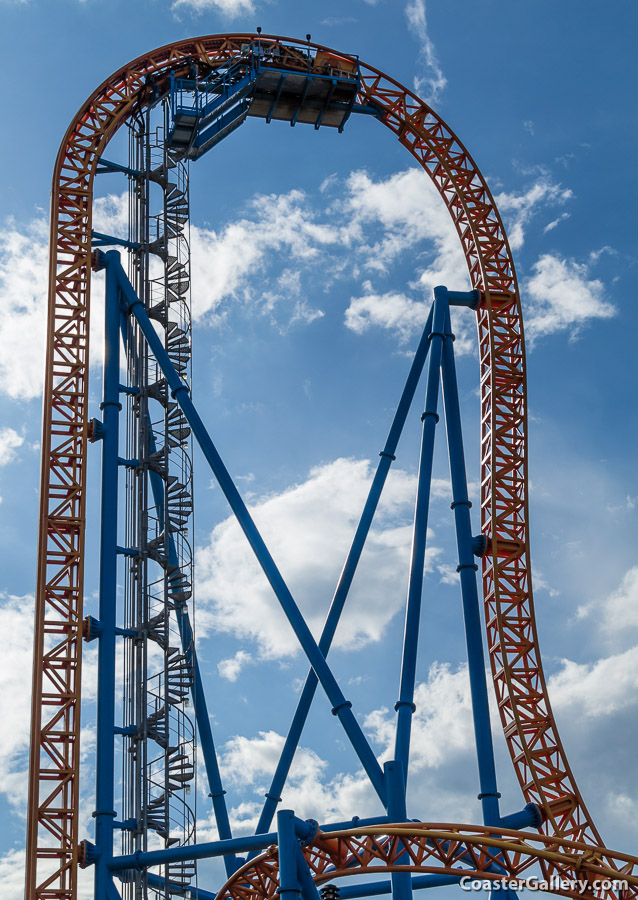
(530, 731)
(443, 849)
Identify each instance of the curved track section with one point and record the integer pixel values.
(568, 868)
(524, 707)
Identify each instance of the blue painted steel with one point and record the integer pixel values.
(108, 166)
(105, 750)
(471, 299)
(147, 859)
(289, 887)
(528, 817)
(377, 888)
(206, 742)
(387, 456)
(395, 790)
(341, 707)
(108, 240)
(405, 704)
(306, 883)
(467, 568)
(177, 890)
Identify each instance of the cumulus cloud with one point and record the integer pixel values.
(24, 254)
(617, 615)
(597, 689)
(23, 289)
(563, 297)
(230, 668)
(432, 81)
(308, 529)
(391, 310)
(10, 440)
(228, 8)
(224, 262)
(518, 209)
(16, 622)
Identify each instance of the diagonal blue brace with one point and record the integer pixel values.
(467, 568)
(341, 707)
(217, 792)
(206, 741)
(387, 456)
(405, 704)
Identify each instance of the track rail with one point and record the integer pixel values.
(524, 707)
(444, 849)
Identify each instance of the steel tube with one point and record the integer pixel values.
(346, 577)
(105, 718)
(341, 707)
(405, 704)
(467, 568)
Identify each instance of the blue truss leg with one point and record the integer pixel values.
(345, 579)
(395, 786)
(105, 750)
(340, 706)
(405, 704)
(467, 569)
(206, 741)
(289, 887)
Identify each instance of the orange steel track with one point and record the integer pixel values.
(529, 727)
(442, 849)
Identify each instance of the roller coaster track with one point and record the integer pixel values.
(528, 723)
(443, 849)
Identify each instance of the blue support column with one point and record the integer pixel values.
(467, 569)
(387, 456)
(405, 704)
(289, 887)
(105, 750)
(395, 788)
(341, 707)
(207, 744)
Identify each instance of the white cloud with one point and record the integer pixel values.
(230, 668)
(10, 440)
(551, 225)
(518, 209)
(433, 81)
(224, 263)
(24, 257)
(562, 297)
(617, 615)
(391, 310)
(228, 8)
(529, 127)
(23, 289)
(16, 622)
(308, 529)
(597, 689)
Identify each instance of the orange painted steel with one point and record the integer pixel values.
(443, 849)
(523, 704)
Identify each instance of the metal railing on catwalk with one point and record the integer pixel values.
(178, 102)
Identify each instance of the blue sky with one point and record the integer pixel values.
(314, 255)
